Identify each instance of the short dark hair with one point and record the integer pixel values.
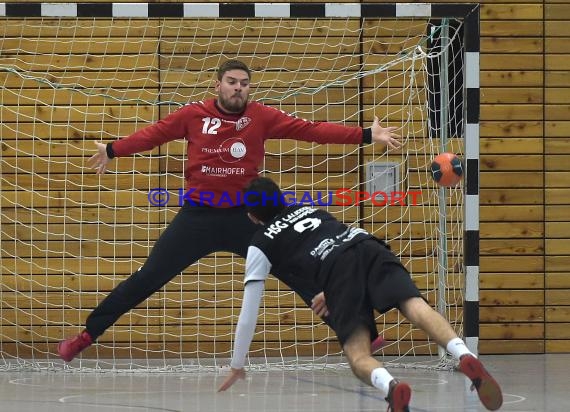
(233, 65)
(263, 199)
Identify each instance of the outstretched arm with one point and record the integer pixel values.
(170, 128)
(245, 330)
(283, 125)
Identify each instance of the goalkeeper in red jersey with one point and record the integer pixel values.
(225, 148)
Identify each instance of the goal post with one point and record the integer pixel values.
(73, 73)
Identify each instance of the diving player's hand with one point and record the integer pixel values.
(234, 375)
(319, 305)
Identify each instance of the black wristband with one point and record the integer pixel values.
(367, 135)
(110, 152)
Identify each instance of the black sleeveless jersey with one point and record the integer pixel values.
(302, 241)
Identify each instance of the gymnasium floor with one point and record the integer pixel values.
(529, 382)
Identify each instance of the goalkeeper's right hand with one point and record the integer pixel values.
(100, 159)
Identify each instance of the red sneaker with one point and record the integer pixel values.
(376, 344)
(71, 347)
(398, 396)
(488, 389)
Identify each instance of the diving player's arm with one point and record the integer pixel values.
(257, 269)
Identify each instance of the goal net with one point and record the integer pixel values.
(72, 74)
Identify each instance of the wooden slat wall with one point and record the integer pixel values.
(557, 175)
(512, 193)
(525, 177)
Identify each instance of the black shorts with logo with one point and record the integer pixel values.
(365, 277)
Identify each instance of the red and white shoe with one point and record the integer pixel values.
(71, 347)
(487, 387)
(399, 396)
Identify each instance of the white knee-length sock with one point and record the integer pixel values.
(381, 379)
(457, 348)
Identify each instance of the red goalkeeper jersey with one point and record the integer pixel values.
(225, 151)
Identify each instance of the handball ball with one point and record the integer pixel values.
(447, 169)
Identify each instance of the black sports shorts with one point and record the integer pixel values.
(365, 277)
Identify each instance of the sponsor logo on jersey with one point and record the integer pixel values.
(242, 123)
(232, 150)
(238, 150)
(222, 171)
(327, 245)
(215, 149)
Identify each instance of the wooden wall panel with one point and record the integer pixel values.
(511, 178)
(557, 175)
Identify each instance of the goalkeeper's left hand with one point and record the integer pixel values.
(385, 135)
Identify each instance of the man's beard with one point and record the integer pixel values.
(233, 105)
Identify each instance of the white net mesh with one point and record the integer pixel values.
(68, 236)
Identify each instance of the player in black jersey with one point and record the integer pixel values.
(358, 273)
